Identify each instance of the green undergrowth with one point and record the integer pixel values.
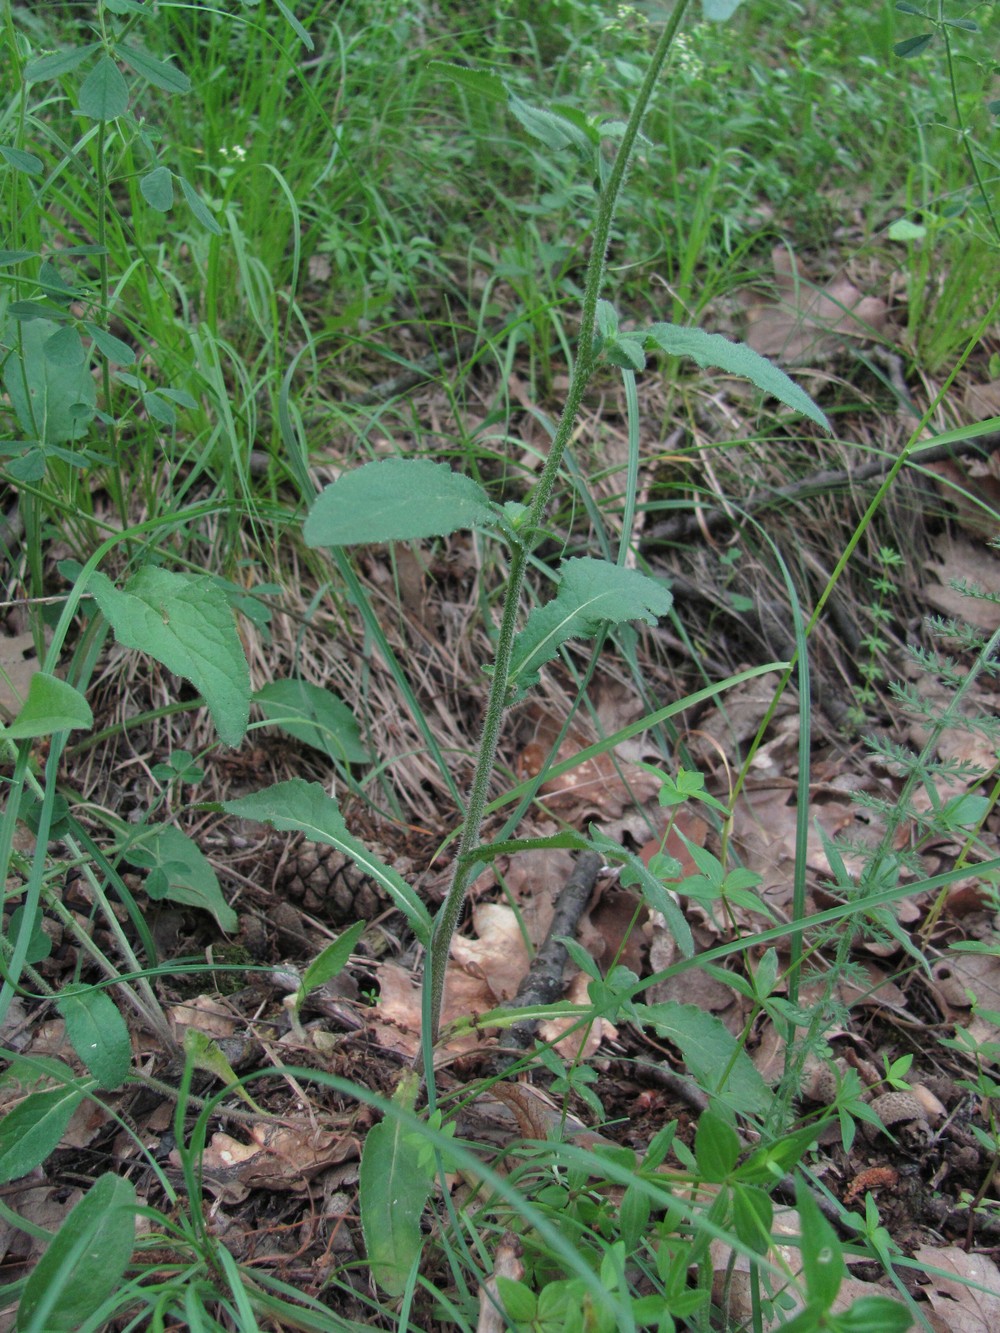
(253, 246)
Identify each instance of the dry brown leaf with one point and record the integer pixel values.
(279, 1157)
(982, 401)
(534, 879)
(498, 953)
(612, 927)
(954, 977)
(974, 494)
(809, 324)
(958, 557)
(605, 785)
(964, 1309)
(583, 1043)
(205, 1013)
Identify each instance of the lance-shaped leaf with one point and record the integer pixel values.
(711, 349)
(85, 1261)
(185, 622)
(397, 499)
(719, 1065)
(300, 806)
(393, 1185)
(591, 593)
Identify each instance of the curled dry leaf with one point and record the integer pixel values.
(482, 973)
(206, 1014)
(279, 1157)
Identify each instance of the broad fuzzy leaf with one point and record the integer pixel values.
(393, 1186)
(180, 872)
(591, 593)
(397, 499)
(305, 807)
(709, 1049)
(54, 402)
(185, 622)
(97, 1032)
(33, 1129)
(52, 705)
(315, 716)
(711, 349)
(475, 80)
(85, 1260)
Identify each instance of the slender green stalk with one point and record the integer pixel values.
(583, 368)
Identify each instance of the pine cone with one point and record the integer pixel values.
(328, 884)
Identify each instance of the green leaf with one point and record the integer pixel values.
(33, 1129)
(396, 499)
(711, 349)
(635, 874)
(159, 409)
(710, 1052)
(54, 403)
(157, 72)
(716, 1147)
(305, 807)
(315, 716)
(104, 93)
(475, 80)
(295, 25)
(39, 943)
(753, 1214)
(97, 1032)
(717, 11)
(157, 188)
(65, 348)
(591, 593)
(20, 160)
(207, 1055)
(185, 874)
(185, 622)
(823, 1264)
(518, 1300)
(774, 1160)
(52, 705)
(85, 1261)
(59, 63)
(551, 129)
(874, 1314)
(913, 46)
(199, 208)
(329, 963)
(905, 230)
(111, 347)
(393, 1187)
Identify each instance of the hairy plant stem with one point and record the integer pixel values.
(583, 368)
